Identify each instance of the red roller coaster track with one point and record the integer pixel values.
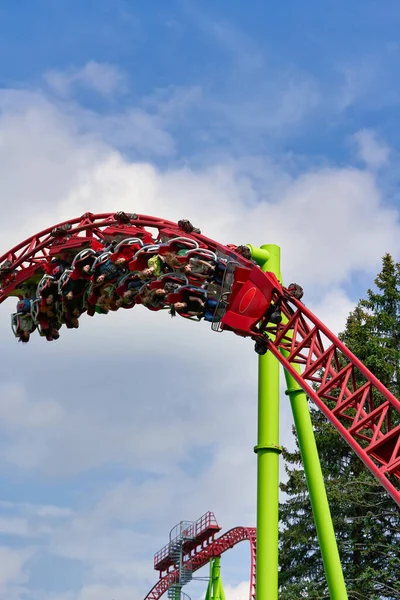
(202, 555)
(364, 412)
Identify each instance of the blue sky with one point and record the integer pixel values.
(274, 124)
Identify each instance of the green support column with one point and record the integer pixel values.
(316, 488)
(209, 587)
(268, 450)
(215, 590)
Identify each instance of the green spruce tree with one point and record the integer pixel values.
(366, 519)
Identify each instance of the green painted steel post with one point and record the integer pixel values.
(215, 590)
(268, 450)
(218, 590)
(209, 587)
(316, 488)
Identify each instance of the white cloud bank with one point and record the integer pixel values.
(176, 413)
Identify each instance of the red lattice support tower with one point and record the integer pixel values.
(201, 556)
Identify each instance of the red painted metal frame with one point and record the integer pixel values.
(364, 412)
(200, 556)
(36, 248)
(354, 400)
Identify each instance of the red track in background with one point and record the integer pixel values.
(202, 555)
(365, 413)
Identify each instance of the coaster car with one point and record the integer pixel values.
(247, 300)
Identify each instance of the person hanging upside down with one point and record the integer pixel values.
(194, 303)
(73, 293)
(24, 306)
(50, 328)
(153, 299)
(23, 326)
(128, 288)
(156, 266)
(109, 271)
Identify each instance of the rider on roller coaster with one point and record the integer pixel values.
(125, 268)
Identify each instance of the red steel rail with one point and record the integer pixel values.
(202, 555)
(364, 412)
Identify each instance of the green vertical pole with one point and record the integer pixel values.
(209, 587)
(217, 578)
(215, 590)
(316, 488)
(268, 450)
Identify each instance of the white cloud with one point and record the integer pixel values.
(359, 78)
(277, 106)
(170, 404)
(371, 150)
(17, 412)
(334, 309)
(105, 592)
(12, 563)
(104, 78)
(239, 592)
(135, 129)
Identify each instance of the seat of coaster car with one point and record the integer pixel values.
(179, 295)
(175, 279)
(75, 271)
(38, 317)
(142, 256)
(72, 275)
(44, 285)
(17, 320)
(122, 284)
(118, 233)
(167, 234)
(138, 300)
(127, 248)
(100, 260)
(24, 278)
(177, 243)
(200, 253)
(68, 248)
(172, 278)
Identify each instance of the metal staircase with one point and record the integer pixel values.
(181, 533)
